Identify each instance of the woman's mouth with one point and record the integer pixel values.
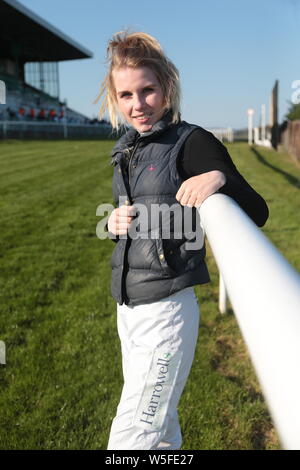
(143, 118)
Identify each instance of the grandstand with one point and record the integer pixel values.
(30, 51)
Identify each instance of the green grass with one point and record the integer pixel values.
(62, 380)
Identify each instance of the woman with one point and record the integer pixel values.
(166, 164)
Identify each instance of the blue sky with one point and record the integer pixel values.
(229, 52)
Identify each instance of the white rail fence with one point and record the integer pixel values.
(48, 129)
(223, 133)
(264, 291)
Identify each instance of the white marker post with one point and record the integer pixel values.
(250, 113)
(2, 92)
(263, 123)
(2, 353)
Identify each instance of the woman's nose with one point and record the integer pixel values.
(138, 102)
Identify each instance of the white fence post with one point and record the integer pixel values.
(4, 129)
(222, 294)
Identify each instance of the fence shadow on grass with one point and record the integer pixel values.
(290, 178)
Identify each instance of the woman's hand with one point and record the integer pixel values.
(119, 220)
(196, 189)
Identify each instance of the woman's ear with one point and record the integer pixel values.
(166, 102)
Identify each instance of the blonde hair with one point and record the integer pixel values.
(138, 50)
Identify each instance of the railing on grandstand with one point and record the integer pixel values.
(264, 290)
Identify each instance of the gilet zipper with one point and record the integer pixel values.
(130, 159)
(130, 152)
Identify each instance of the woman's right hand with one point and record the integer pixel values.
(119, 220)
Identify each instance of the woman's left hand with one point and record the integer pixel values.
(196, 189)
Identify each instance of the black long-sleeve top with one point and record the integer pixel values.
(203, 152)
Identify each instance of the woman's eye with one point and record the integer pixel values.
(127, 94)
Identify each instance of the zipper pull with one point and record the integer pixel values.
(127, 152)
(114, 160)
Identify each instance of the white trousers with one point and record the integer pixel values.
(158, 343)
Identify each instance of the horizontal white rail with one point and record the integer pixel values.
(220, 133)
(46, 123)
(62, 129)
(264, 291)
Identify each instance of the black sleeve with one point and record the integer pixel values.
(203, 152)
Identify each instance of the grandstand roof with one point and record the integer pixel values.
(32, 39)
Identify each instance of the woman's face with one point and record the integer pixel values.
(139, 96)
